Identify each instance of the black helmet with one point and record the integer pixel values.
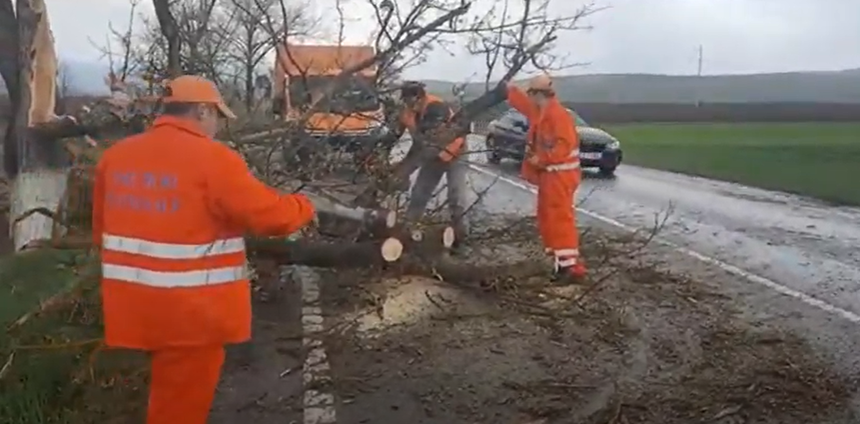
(412, 89)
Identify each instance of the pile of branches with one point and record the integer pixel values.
(49, 158)
(355, 232)
(38, 139)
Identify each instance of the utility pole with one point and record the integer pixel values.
(699, 77)
(701, 51)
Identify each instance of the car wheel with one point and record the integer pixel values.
(607, 171)
(493, 156)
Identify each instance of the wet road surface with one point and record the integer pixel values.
(802, 244)
(795, 259)
(788, 260)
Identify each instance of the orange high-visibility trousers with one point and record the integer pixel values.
(556, 217)
(183, 384)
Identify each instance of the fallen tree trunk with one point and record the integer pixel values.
(327, 254)
(316, 253)
(97, 122)
(457, 272)
(429, 242)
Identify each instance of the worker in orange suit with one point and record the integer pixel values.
(170, 209)
(405, 123)
(552, 163)
(426, 116)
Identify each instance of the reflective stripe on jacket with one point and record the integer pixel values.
(161, 258)
(170, 208)
(552, 132)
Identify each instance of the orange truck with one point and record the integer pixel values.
(353, 116)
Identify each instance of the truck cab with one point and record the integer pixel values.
(352, 117)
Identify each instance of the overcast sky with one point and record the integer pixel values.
(642, 36)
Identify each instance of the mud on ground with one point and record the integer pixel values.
(642, 347)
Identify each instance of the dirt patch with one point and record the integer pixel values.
(643, 347)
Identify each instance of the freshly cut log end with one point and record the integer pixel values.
(391, 250)
(448, 237)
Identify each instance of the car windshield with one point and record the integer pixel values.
(513, 115)
(578, 119)
(357, 93)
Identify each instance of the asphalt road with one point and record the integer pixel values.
(792, 259)
(787, 261)
(804, 245)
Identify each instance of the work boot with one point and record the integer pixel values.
(461, 234)
(569, 275)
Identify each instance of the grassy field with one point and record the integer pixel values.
(52, 370)
(819, 160)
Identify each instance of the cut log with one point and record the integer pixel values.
(430, 241)
(333, 226)
(469, 273)
(348, 229)
(327, 255)
(314, 253)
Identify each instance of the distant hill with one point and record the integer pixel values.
(825, 87)
(83, 78)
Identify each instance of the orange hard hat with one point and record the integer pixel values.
(196, 89)
(541, 83)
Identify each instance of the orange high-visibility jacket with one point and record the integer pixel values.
(431, 109)
(170, 209)
(552, 132)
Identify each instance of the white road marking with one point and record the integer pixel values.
(318, 404)
(749, 276)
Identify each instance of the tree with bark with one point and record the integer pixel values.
(198, 30)
(250, 43)
(37, 169)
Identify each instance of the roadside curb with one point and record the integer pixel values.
(318, 402)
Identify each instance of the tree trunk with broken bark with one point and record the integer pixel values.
(37, 167)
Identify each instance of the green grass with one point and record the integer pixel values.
(56, 372)
(820, 160)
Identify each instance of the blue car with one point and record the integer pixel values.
(506, 139)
